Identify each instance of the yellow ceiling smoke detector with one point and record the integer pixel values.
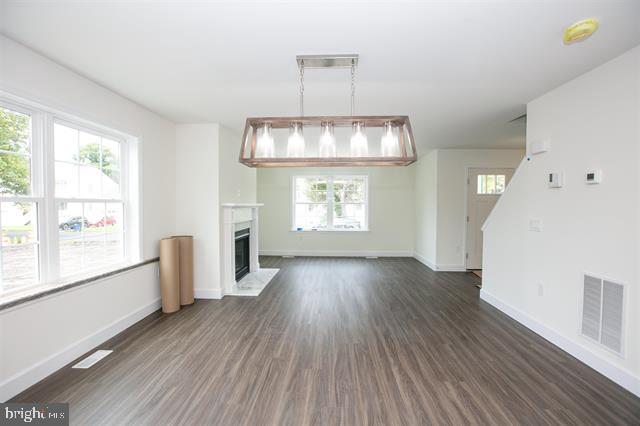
(580, 31)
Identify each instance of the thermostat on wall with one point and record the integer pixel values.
(555, 180)
(593, 177)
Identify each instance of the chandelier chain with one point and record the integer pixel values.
(302, 89)
(353, 87)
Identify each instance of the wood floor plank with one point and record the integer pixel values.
(339, 341)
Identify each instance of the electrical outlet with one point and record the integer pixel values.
(540, 289)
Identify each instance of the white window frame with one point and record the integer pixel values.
(54, 201)
(330, 202)
(43, 189)
(495, 184)
(37, 183)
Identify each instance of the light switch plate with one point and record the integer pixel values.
(555, 180)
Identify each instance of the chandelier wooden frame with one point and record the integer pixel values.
(406, 142)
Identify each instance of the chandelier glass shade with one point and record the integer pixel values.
(389, 146)
(264, 145)
(295, 143)
(330, 140)
(359, 143)
(327, 144)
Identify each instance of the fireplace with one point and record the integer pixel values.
(241, 272)
(243, 259)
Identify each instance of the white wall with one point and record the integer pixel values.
(391, 215)
(237, 181)
(426, 208)
(417, 210)
(197, 201)
(452, 196)
(208, 174)
(592, 122)
(75, 316)
(441, 185)
(42, 336)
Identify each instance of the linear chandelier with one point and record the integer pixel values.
(328, 141)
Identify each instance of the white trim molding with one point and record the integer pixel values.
(619, 375)
(439, 268)
(336, 253)
(207, 293)
(233, 216)
(32, 375)
(451, 268)
(426, 262)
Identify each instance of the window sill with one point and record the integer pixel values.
(19, 297)
(328, 230)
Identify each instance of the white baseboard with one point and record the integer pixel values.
(439, 268)
(32, 375)
(336, 253)
(619, 375)
(426, 262)
(451, 268)
(207, 293)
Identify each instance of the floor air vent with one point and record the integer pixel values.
(92, 359)
(602, 311)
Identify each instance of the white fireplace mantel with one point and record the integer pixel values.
(235, 215)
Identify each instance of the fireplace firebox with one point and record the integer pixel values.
(242, 253)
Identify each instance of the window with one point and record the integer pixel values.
(331, 203)
(63, 197)
(19, 247)
(491, 184)
(89, 200)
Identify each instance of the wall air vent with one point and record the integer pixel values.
(591, 305)
(612, 306)
(92, 359)
(602, 311)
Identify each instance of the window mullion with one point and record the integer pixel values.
(1, 262)
(294, 201)
(37, 187)
(49, 241)
(330, 202)
(125, 198)
(366, 201)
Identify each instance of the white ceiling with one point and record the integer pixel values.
(460, 70)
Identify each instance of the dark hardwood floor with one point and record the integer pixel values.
(339, 341)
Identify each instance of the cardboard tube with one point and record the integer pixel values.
(186, 268)
(170, 274)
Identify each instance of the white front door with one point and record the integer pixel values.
(483, 190)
